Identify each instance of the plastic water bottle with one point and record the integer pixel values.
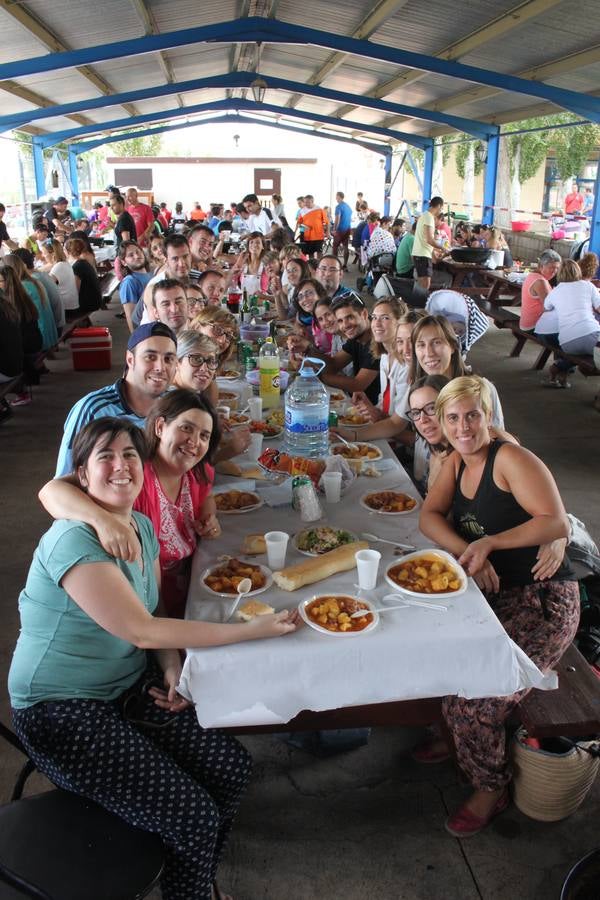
(270, 369)
(307, 413)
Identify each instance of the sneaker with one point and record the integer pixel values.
(23, 399)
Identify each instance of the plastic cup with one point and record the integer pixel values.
(255, 447)
(255, 405)
(276, 542)
(367, 563)
(332, 483)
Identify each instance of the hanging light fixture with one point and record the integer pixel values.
(236, 139)
(259, 85)
(259, 88)
(481, 153)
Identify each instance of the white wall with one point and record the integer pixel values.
(339, 166)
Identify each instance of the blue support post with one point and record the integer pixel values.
(74, 177)
(490, 180)
(427, 177)
(38, 168)
(388, 183)
(595, 220)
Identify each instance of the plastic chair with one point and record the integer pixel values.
(60, 846)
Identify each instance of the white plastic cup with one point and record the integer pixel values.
(255, 447)
(276, 542)
(255, 406)
(332, 483)
(367, 563)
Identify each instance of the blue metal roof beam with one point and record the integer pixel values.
(231, 103)
(273, 31)
(382, 149)
(479, 130)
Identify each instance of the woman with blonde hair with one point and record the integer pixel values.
(220, 325)
(55, 263)
(492, 505)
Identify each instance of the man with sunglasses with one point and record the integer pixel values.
(150, 364)
(352, 319)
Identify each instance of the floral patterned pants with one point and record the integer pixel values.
(542, 619)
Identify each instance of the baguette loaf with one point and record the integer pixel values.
(319, 567)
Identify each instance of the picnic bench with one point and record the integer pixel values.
(505, 318)
(502, 286)
(460, 270)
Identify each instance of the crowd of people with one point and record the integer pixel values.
(102, 608)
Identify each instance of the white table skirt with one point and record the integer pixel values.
(413, 653)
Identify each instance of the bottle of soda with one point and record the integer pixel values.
(245, 311)
(269, 368)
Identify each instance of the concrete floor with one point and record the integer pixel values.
(369, 823)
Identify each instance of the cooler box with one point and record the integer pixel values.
(91, 348)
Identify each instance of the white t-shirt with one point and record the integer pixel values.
(67, 286)
(261, 222)
(574, 302)
(396, 376)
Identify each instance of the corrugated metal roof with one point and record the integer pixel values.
(567, 27)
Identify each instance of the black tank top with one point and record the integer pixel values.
(491, 511)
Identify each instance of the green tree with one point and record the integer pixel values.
(462, 152)
(148, 145)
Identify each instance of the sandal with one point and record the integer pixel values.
(465, 823)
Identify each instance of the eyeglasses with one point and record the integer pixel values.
(304, 294)
(197, 361)
(328, 269)
(222, 332)
(415, 414)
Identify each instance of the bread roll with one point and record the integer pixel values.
(319, 567)
(254, 544)
(252, 608)
(227, 467)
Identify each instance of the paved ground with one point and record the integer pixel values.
(366, 824)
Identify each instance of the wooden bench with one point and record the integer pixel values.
(14, 386)
(505, 318)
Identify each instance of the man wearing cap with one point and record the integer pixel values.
(59, 218)
(149, 370)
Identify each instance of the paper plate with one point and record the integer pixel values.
(338, 634)
(239, 512)
(337, 450)
(379, 512)
(428, 553)
(265, 571)
(312, 553)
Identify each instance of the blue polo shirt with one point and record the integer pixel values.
(133, 285)
(344, 211)
(107, 401)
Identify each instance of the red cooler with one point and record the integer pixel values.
(91, 348)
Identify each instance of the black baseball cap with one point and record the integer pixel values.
(150, 329)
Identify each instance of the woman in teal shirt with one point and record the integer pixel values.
(98, 713)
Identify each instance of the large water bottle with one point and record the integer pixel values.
(269, 370)
(307, 413)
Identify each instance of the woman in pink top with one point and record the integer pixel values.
(182, 432)
(536, 288)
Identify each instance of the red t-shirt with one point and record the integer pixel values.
(573, 203)
(143, 217)
(173, 525)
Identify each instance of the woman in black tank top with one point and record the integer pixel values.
(492, 506)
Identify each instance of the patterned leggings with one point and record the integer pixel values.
(178, 780)
(542, 619)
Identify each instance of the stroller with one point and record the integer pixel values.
(464, 315)
(374, 268)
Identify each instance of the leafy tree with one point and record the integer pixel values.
(148, 145)
(462, 152)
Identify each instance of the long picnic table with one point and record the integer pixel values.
(394, 674)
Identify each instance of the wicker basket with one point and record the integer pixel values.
(550, 786)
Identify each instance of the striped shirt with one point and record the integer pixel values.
(107, 401)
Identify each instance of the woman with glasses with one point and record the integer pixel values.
(55, 263)
(220, 325)
(94, 675)
(195, 298)
(492, 506)
(306, 295)
(294, 271)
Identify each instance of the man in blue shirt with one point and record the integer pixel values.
(342, 226)
(131, 289)
(151, 360)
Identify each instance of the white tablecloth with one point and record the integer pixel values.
(413, 653)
